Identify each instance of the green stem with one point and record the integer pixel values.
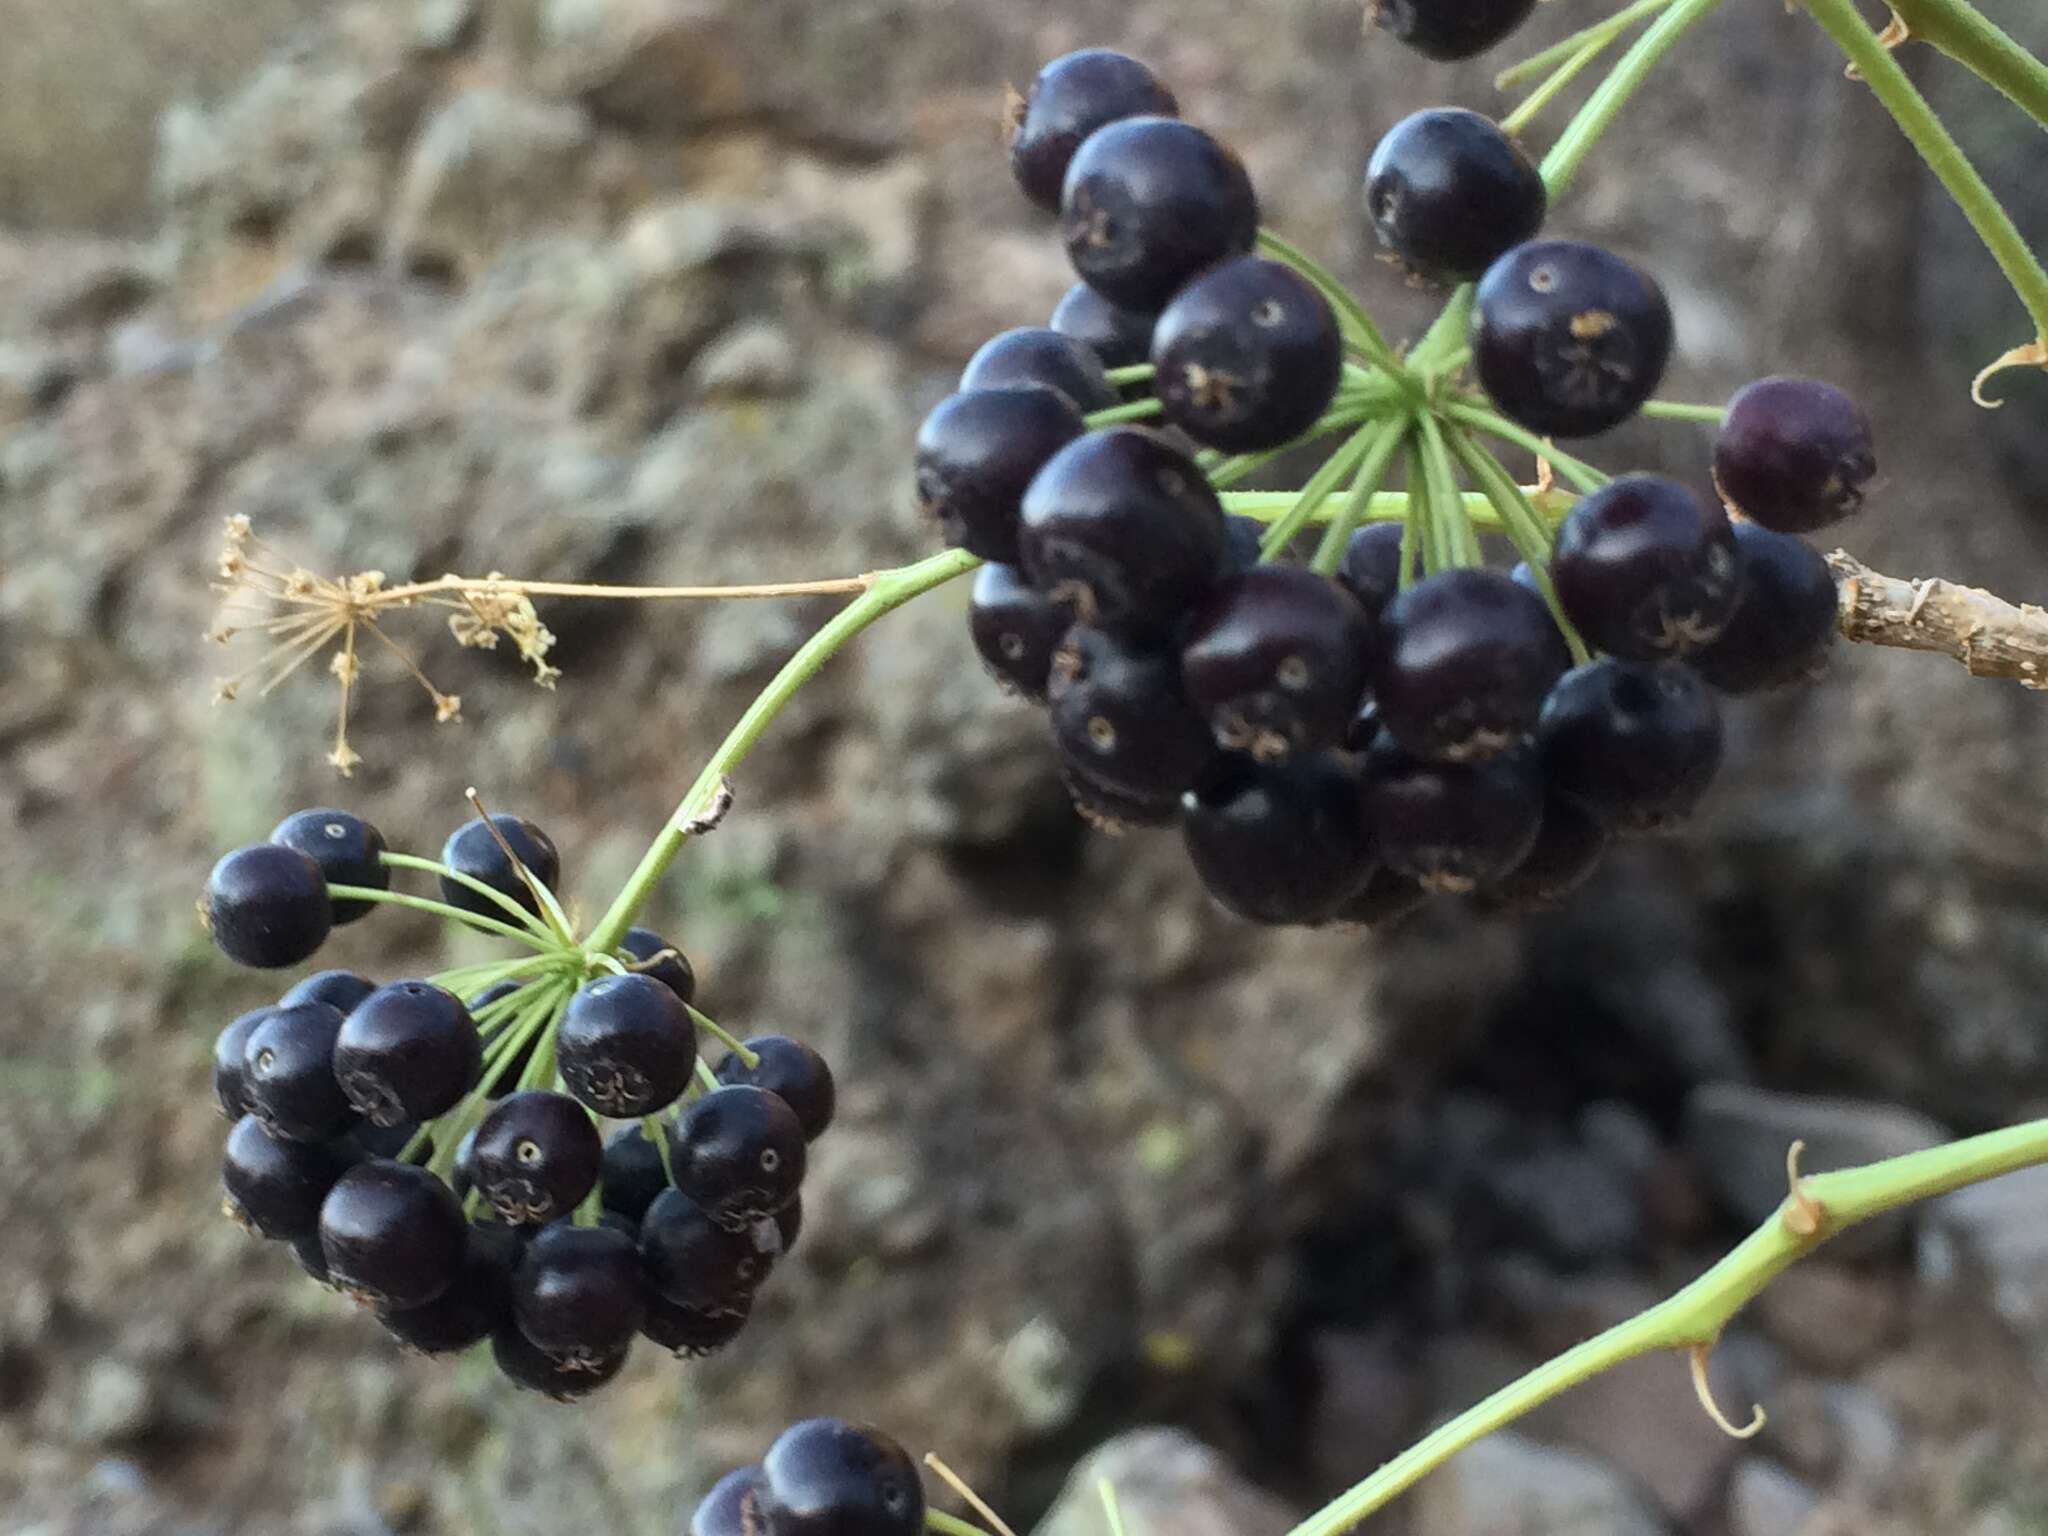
(891, 590)
(467, 980)
(1117, 415)
(1969, 37)
(1695, 1317)
(1447, 503)
(1533, 104)
(1531, 535)
(1385, 507)
(707, 1080)
(1414, 530)
(1888, 83)
(1328, 476)
(652, 1128)
(442, 909)
(937, 1520)
(1372, 474)
(1605, 104)
(511, 908)
(731, 1042)
(1602, 32)
(536, 1013)
(1672, 410)
(1357, 325)
(1493, 424)
(1136, 373)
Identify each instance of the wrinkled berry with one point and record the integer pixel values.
(626, 1046)
(1465, 660)
(1148, 203)
(1248, 356)
(267, 906)
(1448, 193)
(348, 850)
(1637, 745)
(1645, 569)
(1794, 454)
(978, 452)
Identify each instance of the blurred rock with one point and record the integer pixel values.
(661, 65)
(1509, 1485)
(116, 1405)
(1998, 1227)
(1165, 1480)
(1870, 1434)
(1766, 1500)
(1368, 1404)
(1830, 1318)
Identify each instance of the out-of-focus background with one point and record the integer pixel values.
(656, 290)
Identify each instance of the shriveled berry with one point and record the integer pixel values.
(1120, 337)
(1645, 569)
(1371, 568)
(1784, 620)
(626, 1046)
(274, 1186)
(393, 1234)
(348, 850)
(826, 1477)
(409, 1051)
(267, 906)
(1569, 339)
(1279, 842)
(1465, 660)
(288, 1073)
(1039, 357)
(1448, 193)
(1248, 356)
(1121, 720)
(1072, 97)
(1148, 203)
(732, 1507)
(1123, 529)
(977, 453)
(673, 970)
(794, 1073)
(535, 1157)
(694, 1262)
(1568, 849)
(579, 1293)
(1794, 454)
(1450, 29)
(474, 1307)
(633, 1173)
(691, 1334)
(471, 850)
(230, 1047)
(1452, 826)
(1637, 745)
(337, 989)
(739, 1154)
(1015, 629)
(1386, 898)
(1278, 660)
(525, 1364)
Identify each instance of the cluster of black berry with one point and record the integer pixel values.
(440, 1157)
(821, 1477)
(1336, 745)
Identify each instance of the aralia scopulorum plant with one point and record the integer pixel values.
(1330, 691)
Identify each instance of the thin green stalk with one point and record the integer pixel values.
(468, 980)
(1458, 545)
(441, 909)
(1136, 373)
(1602, 32)
(1605, 104)
(1673, 410)
(891, 590)
(1117, 415)
(943, 1524)
(1224, 472)
(1414, 529)
(1969, 37)
(1695, 1317)
(1372, 474)
(730, 1041)
(1581, 474)
(1527, 110)
(1525, 526)
(707, 1080)
(1328, 476)
(1358, 326)
(499, 1054)
(1111, 1510)
(1385, 507)
(499, 899)
(652, 1128)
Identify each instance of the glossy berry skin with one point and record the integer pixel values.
(826, 1477)
(673, 970)
(1371, 568)
(1072, 97)
(1794, 454)
(1451, 29)
(1645, 569)
(408, 1051)
(288, 1073)
(1113, 811)
(579, 1293)
(1015, 629)
(472, 851)
(626, 1046)
(694, 1262)
(794, 1073)
(1448, 193)
(525, 1364)
(1036, 357)
(1453, 827)
(732, 1507)
(275, 1187)
(1247, 355)
(1569, 339)
(337, 989)
(1119, 337)
(311, 1259)
(1636, 745)
(1568, 849)
(230, 1048)
(1279, 842)
(1121, 720)
(393, 1234)
(1783, 623)
(1122, 529)
(633, 1174)
(739, 1154)
(1278, 660)
(267, 907)
(1466, 658)
(1148, 203)
(1243, 538)
(347, 849)
(690, 1334)
(535, 1157)
(474, 1307)
(1384, 900)
(978, 452)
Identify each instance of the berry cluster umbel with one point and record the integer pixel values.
(435, 1148)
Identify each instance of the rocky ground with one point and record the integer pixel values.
(656, 291)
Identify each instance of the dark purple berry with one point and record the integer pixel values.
(976, 455)
(1450, 29)
(789, 1224)
(393, 1234)
(626, 1046)
(1466, 658)
(1371, 568)
(1784, 620)
(1452, 826)
(230, 1080)
(1244, 538)
(273, 1186)
(474, 1307)
(826, 1477)
(1364, 729)
(732, 1507)
(1384, 900)
(348, 850)
(1113, 811)
(1122, 528)
(794, 1073)
(694, 1262)
(311, 1257)
(1278, 660)
(535, 1157)
(369, 1140)
(1448, 193)
(1637, 745)
(1645, 569)
(689, 1333)
(1015, 629)
(1148, 203)
(288, 1073)
(267, 906)
(1569, 339)
(1248, 356)
(739, 1154)
(1794, 454)
(1120, 337)
(525, 1364)
(633, 1172)
(1035, 357)
(1122, 722)
(1568, 849)
(580, 1293)
(471, 850)
(1279, 842)
(337, 989)
(673, 970)
(409, 1051)
(1071, 98)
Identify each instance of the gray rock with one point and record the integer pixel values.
(1368, 1404)
(2001, 1229)
(1165, 1480)
(1870, 1435)
(757, 358)
(1577, 1208)
(1829, 1317)
(661, 65)
(1510, 1485)
(117, 1404)
(1766, 1500)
